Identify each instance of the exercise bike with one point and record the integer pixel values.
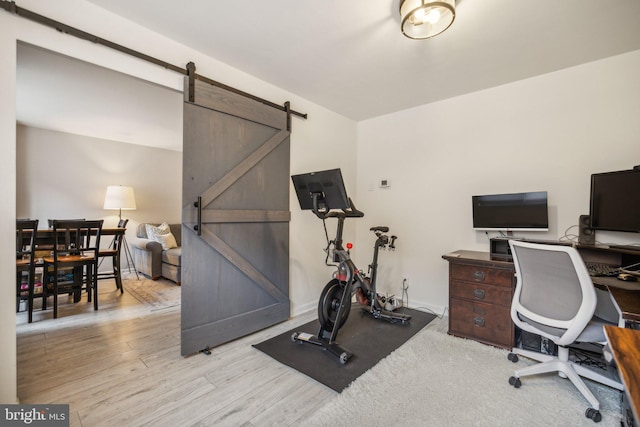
(334, 305)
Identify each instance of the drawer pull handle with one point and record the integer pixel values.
(478, 293)
(479, 275)
(479, 321)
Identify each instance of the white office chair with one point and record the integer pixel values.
(555, 298)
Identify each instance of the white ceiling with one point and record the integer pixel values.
(350, 56)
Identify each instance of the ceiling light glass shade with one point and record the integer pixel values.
(119, 197)
(422, 19)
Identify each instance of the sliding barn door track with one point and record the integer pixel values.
(10, 6)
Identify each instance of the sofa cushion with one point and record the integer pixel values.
(176, 230)
(172, 256)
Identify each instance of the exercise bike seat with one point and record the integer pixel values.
(381, 228)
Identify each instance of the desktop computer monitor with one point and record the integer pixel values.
(615, 201)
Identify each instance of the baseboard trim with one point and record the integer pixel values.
(438, 310)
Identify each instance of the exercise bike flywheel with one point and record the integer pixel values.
(330, 303)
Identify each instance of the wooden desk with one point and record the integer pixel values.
(628, 302)
(480, 293)
(626, 296)
(625, 345)
(481, 288)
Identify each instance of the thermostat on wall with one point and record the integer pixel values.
(385, 183)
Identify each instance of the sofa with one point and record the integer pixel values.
(154, 261)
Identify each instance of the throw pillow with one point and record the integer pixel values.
(161, 234)
(154, 230)
(167, 241)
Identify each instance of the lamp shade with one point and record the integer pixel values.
(422, 19)
(119, 197)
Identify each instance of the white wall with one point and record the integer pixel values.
(545, 133)
(549, 133)
(8, 382)
(60, 175)
(314, 142)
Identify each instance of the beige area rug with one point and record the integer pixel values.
(438, 380)
(157, 294)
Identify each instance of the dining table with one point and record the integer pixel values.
(44, 245)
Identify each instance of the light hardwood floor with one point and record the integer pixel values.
(121, 366)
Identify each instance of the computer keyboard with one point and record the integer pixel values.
(599, 269)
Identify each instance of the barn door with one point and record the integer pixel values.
(235, 236)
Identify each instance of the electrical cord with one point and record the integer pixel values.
(584, 358)
(573, 238)
(430, 311)
(326, 233)
(405, 291)
(405, 302)
(627, 268)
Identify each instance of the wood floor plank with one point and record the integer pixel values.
(121, 365)
(297, 405)
(256, 400)
(133, 407)
(211, 406)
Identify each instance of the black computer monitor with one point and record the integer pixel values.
(615, 201)
(327, 187)
(511, 212)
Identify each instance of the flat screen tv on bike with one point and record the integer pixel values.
(327, 186)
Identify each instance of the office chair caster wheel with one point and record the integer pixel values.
(593, 414)
(512, 357)
(515, 382)
(343, 358)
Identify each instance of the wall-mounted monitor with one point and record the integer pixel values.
(511, 212)
(615, 201)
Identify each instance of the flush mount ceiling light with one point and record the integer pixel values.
(423, 19)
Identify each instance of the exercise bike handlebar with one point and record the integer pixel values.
(350, 212)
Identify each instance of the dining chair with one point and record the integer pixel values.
(113, 252)
(25, 260)
(74, 261)
(50, 221)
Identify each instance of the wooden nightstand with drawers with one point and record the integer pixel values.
(480, 293)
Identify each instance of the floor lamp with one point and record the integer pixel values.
(119, 197)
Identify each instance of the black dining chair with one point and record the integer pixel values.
(25, 261)
(50, 221)
(74, 261)
(113, 253)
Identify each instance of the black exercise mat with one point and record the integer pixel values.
(369, 340)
